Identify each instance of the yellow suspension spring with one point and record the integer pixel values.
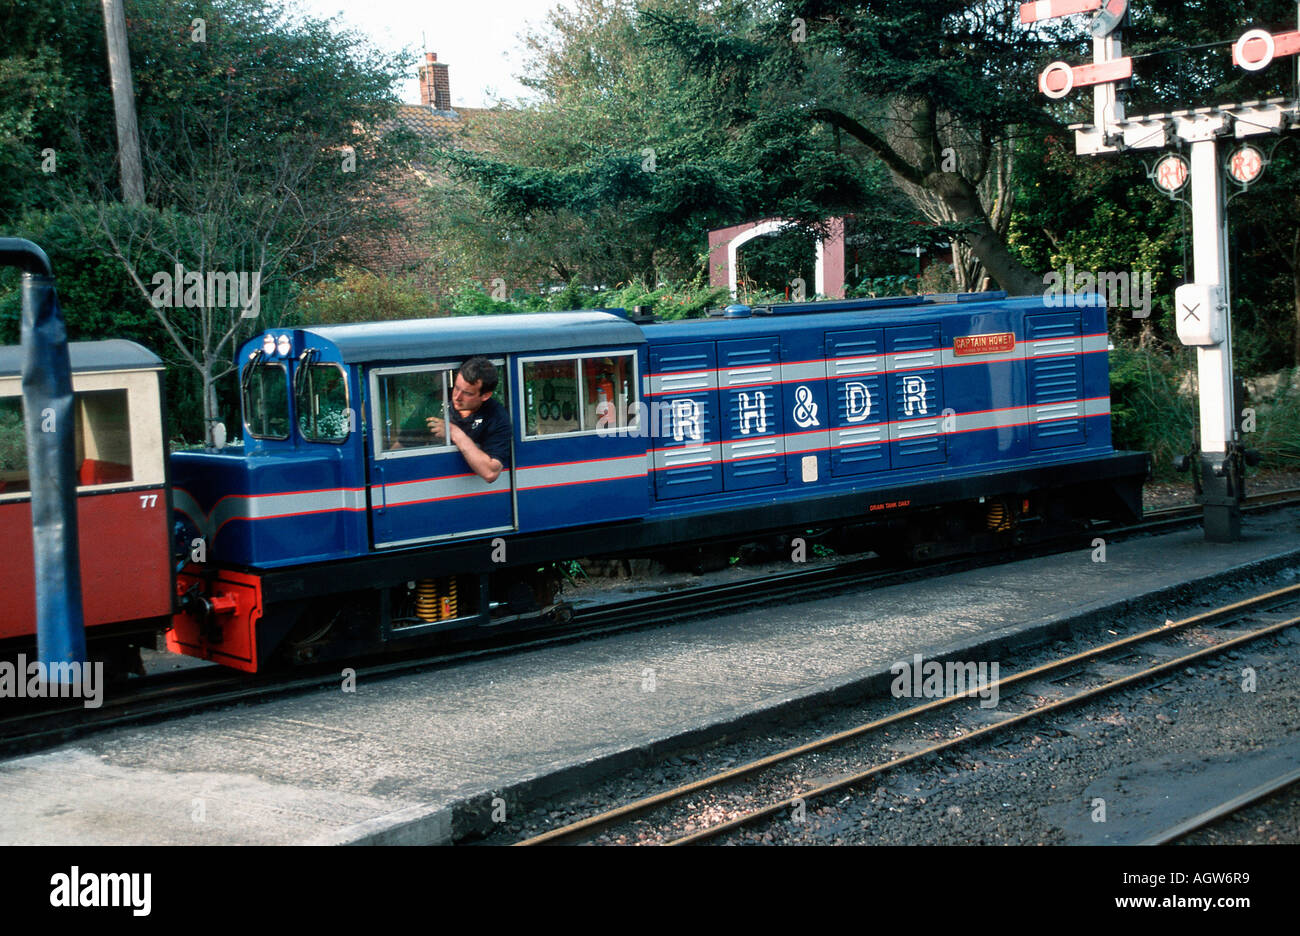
(426, 599)
(449, 600)
(999, 519)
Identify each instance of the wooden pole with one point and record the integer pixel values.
(128, 136)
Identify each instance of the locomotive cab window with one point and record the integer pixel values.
(607, 392)
(551, 398)
(566, 396)
(321, 402)
(405, 401)
(405, 398)
(266, 401)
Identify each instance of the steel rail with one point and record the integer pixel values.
(622, 813)
(1083, 696)
(1227, 808)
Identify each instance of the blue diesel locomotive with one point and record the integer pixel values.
(342, 525)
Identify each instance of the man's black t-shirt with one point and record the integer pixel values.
(488, 427)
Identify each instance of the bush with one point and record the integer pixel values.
(1151, 406)
(1278, 429)
(358, 296)
(13, 441)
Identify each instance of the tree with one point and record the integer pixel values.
(634, 151)
(260, 163)
(778, 107)
(938, 92)
(47, 79)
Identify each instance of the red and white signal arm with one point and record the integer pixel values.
(1112, 12)
(1171, 173)
(1246, 164)
(1051, 9)
(1060, 78)
(1256, 49)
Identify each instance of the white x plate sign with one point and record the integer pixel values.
(1200, 312)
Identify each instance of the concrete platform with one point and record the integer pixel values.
(414, 759)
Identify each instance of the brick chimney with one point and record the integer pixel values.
(435, 87)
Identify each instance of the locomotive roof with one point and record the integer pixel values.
(114, 354)
(465, 336)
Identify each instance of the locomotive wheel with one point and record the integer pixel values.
(121, 660)
(698, 560)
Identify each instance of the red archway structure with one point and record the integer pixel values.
(725, 242)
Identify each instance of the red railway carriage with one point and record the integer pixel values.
(123, 504)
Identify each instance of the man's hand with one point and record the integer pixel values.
(481, 463)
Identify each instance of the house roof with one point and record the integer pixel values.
(446, 127)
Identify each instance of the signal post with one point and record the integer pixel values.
(1202, 307)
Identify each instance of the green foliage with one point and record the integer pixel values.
(637, 147)
(668, 301)
(902, 284)
(95, 292)
(570, 569)
(1278, 430)
(1104, 215)
(776, 261)
(13, 440)
(470, 298)
(262, 149)
(936, 279)
(99, 301)
(265, 82)
(1152, 407)
(354, 295)
(49, 83)
(1265, 256)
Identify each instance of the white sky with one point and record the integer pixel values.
(478, 39)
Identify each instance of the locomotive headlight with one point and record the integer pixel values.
(268, 345)
(282, 345)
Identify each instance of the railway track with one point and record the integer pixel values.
(1225, 809)
(777, 776)
(169, 695)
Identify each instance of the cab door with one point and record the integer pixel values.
(420, 487)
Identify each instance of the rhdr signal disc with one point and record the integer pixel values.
(1246, 164)
(1171, 174)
